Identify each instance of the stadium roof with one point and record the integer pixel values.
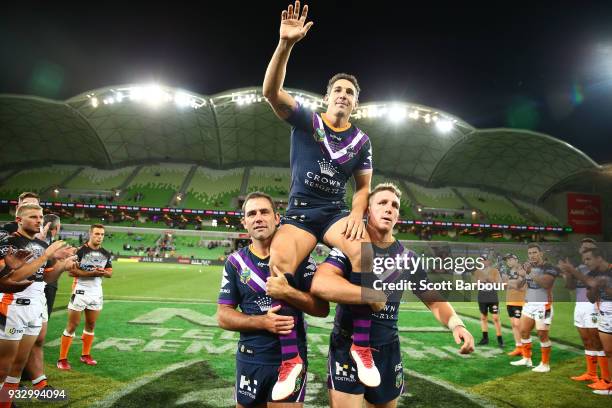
(127, 124)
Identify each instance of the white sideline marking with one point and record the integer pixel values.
(114, 396)
(474, 398)
(561, 346)
(148, 298)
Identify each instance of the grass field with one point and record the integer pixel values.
(158, 345)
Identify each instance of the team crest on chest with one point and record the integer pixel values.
(319, 134)
(245, 276)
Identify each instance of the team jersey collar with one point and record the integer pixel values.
(254, 252)
(335, 129)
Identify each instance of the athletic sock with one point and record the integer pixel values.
(591, 362)
(546, 348)
(362, 318)
(526, 348)
(88, 339)
(602, 361)
(66, 341)
(40, 382)
(10, 383)
(289, 344)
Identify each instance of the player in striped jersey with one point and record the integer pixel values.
(94, 264)
(586, 315)
(538, 311)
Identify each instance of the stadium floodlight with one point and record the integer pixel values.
(183, 99)
(154, 95)
(444, 125)
(119, 96)
(396, 113)
(427, 118)
(414, 114)
(94, 102)
(136, 93)
(56, 190)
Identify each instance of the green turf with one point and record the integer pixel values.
(166, 350)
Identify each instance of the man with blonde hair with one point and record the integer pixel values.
(22, 313)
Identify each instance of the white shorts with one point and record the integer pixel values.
(538, 312)
(22, 320)
(81, 300)
(586, 315)
(605, 322)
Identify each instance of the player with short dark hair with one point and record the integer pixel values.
(326, 150)
(248, 283)
(94, 263)
(538, 310)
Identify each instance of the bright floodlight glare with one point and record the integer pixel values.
(397, 113)
(136, 93)
(94, 102)
(414, 114)
(119, 96)
(444, 125)
(182, 99)
(153, 94)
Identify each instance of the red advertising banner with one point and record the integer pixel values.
(584, 213)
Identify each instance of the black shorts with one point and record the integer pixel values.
(254, 383)
(316, 219)
(342, 373)
(486, 307)
(50, 291)
(515, 311)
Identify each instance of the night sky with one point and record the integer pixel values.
(545, 67)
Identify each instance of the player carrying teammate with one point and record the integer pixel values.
(326, 150)
(94, 263)
(331, 283)
(258, 359)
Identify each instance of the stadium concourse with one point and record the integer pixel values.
(166, 171)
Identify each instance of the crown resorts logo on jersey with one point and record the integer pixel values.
(319, 134)
(327, 168)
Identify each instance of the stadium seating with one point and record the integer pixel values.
(496, 208)
(541, 214)
(92, 178)
(435, 197)
(272, 180)
(157, 184)
(37, 180)
(213, 188)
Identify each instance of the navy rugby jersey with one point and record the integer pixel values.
(384, 323)
(244, 284)
(322, 159)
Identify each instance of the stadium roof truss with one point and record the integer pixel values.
(127, 124)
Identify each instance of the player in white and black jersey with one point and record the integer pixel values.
(94, 264)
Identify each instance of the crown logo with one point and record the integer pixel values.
(327, 168)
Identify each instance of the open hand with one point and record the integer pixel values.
(293, 26)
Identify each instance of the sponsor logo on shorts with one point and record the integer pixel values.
(247, 386)
(13, 330)
(345, 372)
(399, 380)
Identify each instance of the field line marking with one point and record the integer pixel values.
(474, 398)
(561, 346)
(114, 396)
